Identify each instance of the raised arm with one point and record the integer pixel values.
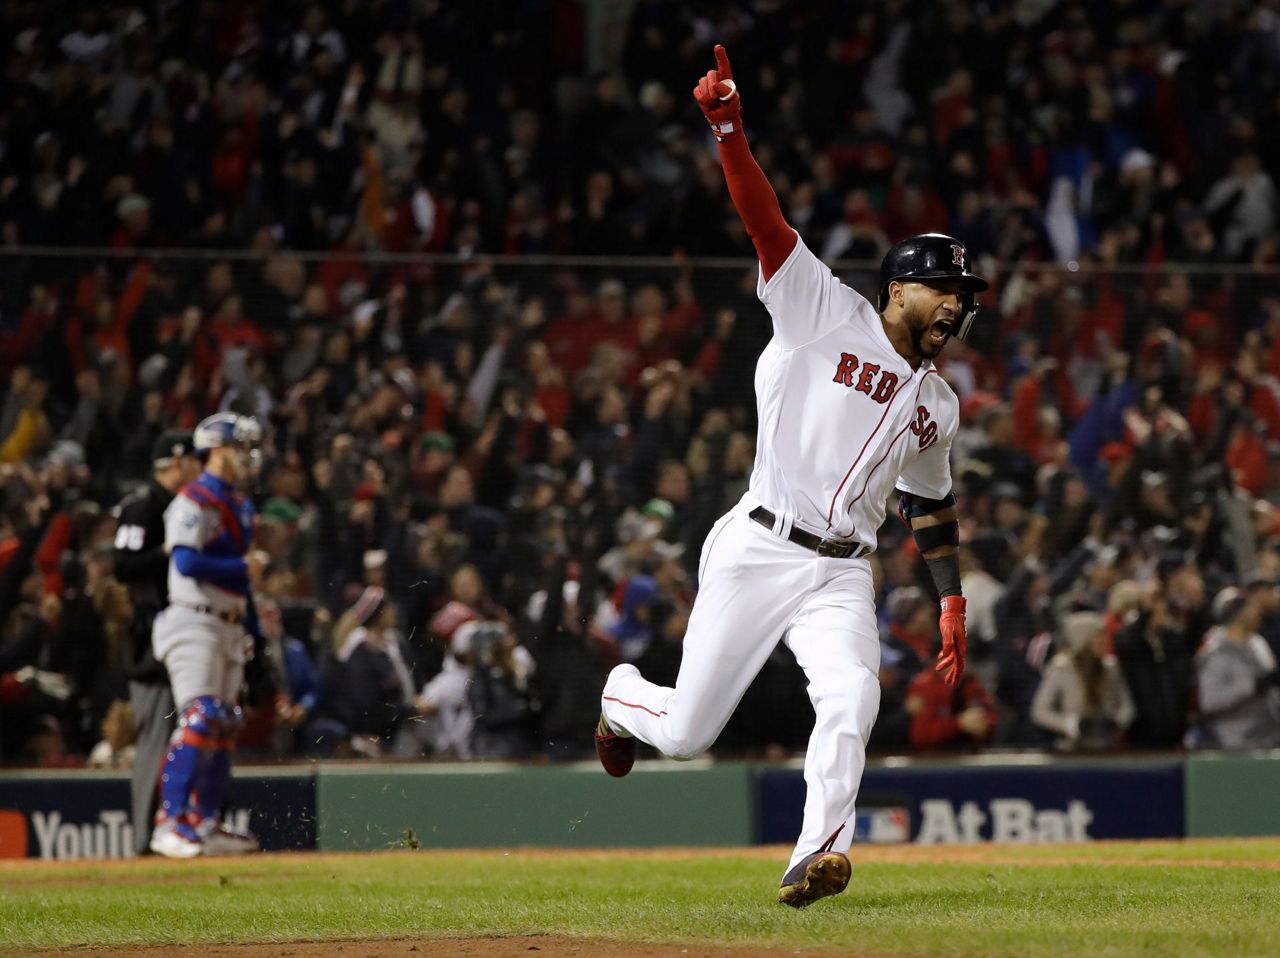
(754, 198)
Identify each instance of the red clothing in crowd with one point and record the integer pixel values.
(1247, 459)
(554, 401)
(935, 723)
(57, 539)
(1263, 403)
(921, 643)
(909, 219)
(15, 347)
(571, 339)
(85, 335)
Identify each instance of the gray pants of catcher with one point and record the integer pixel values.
(155, 715)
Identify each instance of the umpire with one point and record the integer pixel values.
(142, 564)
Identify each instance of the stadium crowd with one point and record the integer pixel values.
(489, 483)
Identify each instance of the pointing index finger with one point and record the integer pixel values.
(722, 63)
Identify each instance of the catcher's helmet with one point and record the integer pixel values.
(226, 429)
(932, 256)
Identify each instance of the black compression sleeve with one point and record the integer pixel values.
(946, 574)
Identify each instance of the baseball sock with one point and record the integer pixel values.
(212, 777)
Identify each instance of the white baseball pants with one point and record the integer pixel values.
(755, 586)
(203, 654)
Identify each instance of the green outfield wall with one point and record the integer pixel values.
(1229, 795)
(61, 814)
(468, 806)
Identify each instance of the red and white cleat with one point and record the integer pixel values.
(617, 753)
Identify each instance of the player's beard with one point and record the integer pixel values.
(921, 325)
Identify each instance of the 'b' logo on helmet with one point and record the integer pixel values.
(957, 254)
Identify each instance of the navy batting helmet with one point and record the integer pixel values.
(932, 256)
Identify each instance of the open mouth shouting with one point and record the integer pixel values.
(940, 331)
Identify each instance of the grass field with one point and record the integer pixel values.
(1110, 899)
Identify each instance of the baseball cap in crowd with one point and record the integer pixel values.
(170, 445)
(1136, 159)
(1227, 603)
(375, 559)
(649, 522)
(131, 204)
(66, 452)
(367, 606)
(445, 622)
(903, 601)
(438, 440)
(659, 509)
(281, 509)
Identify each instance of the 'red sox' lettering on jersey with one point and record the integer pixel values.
(925, 428)
(830, 472)
(849, 374)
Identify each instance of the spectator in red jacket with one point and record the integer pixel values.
(942, 717)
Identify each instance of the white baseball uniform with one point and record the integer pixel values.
(843, 418)
(204, 653)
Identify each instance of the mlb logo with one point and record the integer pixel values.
(883, 826)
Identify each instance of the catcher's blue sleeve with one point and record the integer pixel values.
(228, 572)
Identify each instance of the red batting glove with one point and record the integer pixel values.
(954, 641)
(717, 94)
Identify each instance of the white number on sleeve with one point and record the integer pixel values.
(130, 537)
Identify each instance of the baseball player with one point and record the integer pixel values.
(141, 563)
(201, 638)
(850, 406)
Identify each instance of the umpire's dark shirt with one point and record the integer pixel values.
(142, 564)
